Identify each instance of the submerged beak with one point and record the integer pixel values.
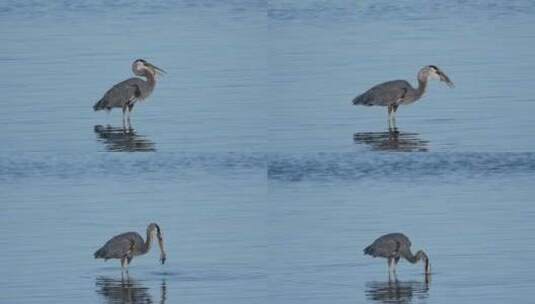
(427, 267)
(156, 69)
(163, 256)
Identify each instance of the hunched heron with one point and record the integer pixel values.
(127, 245)
(393, 246)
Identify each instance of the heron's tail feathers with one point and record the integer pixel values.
(369, 250)
(101, 105)
(100, 254)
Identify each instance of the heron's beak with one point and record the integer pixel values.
(427, 267)
(445, 78)
(163, 256)
(156, 69)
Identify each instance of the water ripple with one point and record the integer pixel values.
(356, 166)
(388, 10)
(285, 167)
(162, 165)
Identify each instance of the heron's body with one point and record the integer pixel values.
(390, 93)
(126, 93)
(394, 246)
(127, 245)
(394, 93)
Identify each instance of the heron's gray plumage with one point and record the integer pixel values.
(394, 93)
(126, 93)
(388, 245)
(129, 244)
(385, 93)
(393, 246)
(122, 245)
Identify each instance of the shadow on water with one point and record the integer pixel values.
(394, 291)
(123, 140)
(127, 290)
(392, 140)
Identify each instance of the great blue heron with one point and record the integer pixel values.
(125, 94)
(394, 93)
(393, 246)
(127, 245)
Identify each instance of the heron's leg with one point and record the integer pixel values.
(389, 117)
(394, 126)
(123, 263)
(130, 108)
(394, 264)
(392, 277)
(394, 109)
(124, 116)
(389, 265)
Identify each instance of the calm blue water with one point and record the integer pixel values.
(266, 181)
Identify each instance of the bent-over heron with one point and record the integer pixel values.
(127, 245)
(393, 246)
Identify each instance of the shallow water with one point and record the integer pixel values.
(266, 181)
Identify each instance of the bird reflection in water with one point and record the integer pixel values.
(398, 292)
(123, 139)
(392, 140)
(126, 290)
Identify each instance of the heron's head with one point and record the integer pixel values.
(140, 66)
(155, 230)
(433, 72)
(422, 255)
(156, 233)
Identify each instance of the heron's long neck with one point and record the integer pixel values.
(148, 241)
(151, 79)
(414, 258)
(422, 85)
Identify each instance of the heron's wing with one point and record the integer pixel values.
(122, 93)
(384, 94)
(120, 246)
(388, 245)
(386, 248)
